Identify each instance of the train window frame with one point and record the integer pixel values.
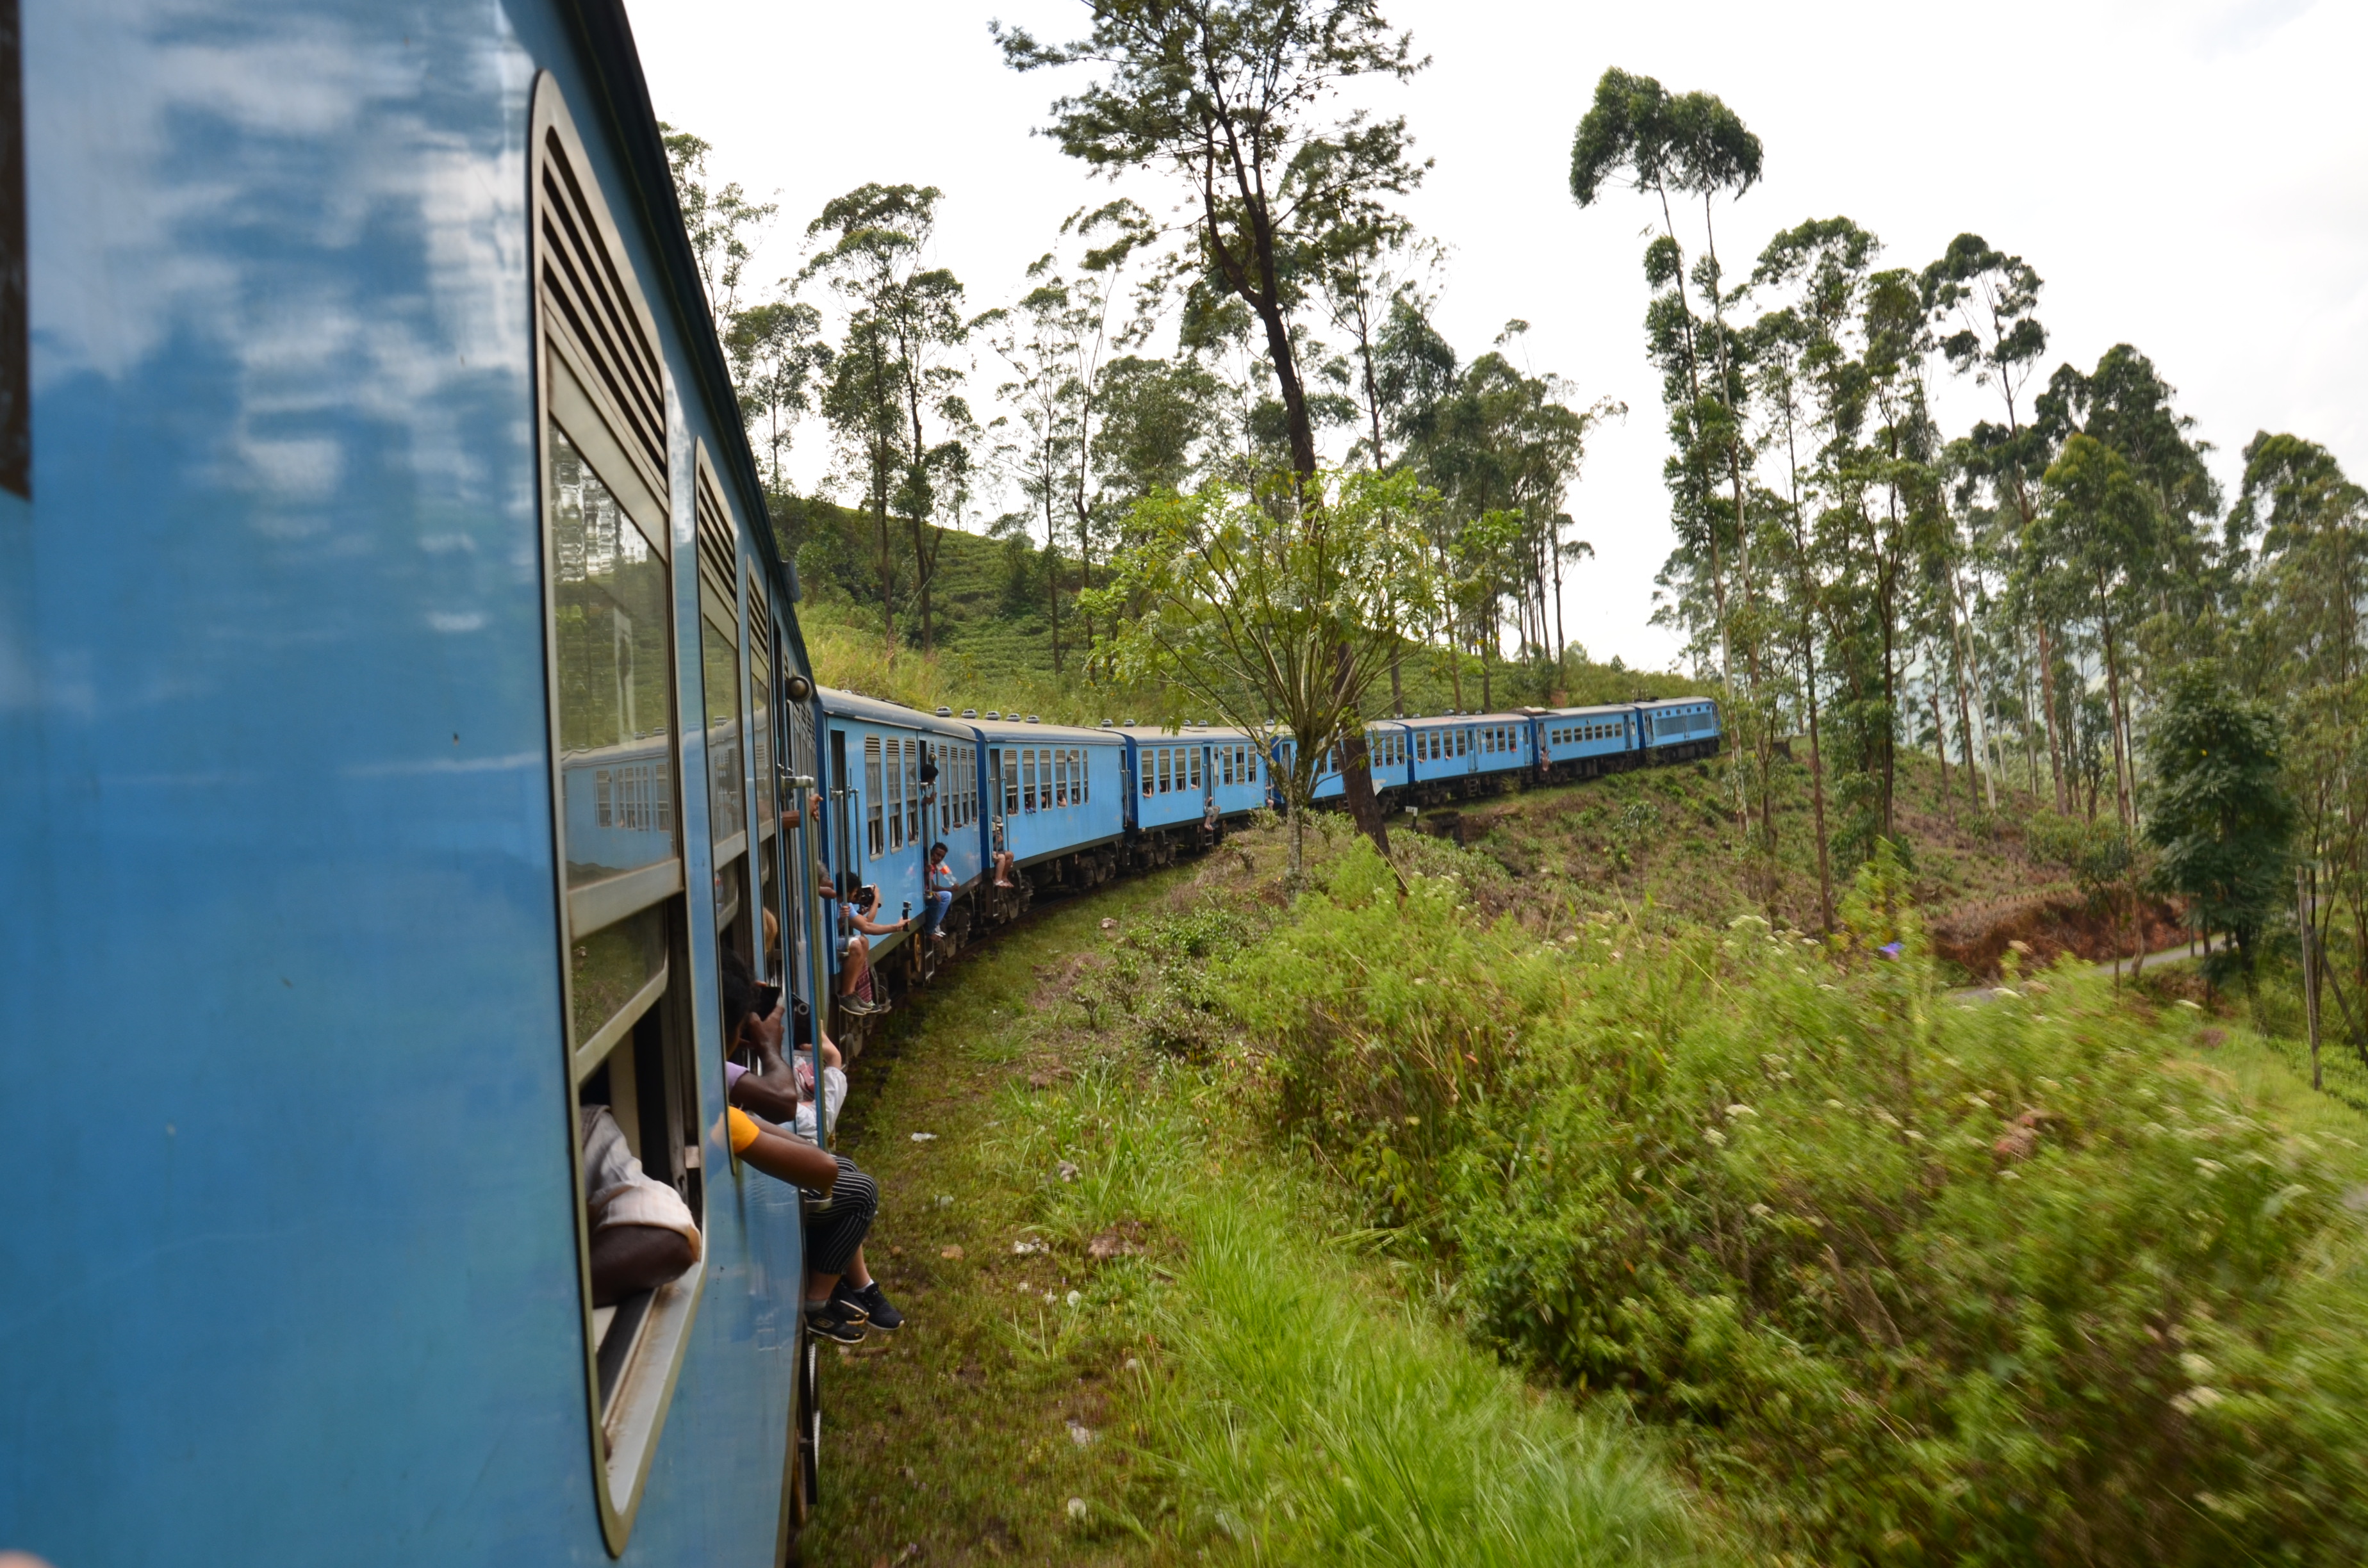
(603, 396)
(875, 828)
(913, 833)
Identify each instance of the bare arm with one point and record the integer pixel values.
(788, 1159)
(771, 1097)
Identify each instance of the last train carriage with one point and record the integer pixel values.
(404, 706)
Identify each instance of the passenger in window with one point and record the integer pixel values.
(643, 1233)
(841, 1298)
(779, 1090)
(940, 879)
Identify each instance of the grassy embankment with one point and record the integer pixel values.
(1118, 1294)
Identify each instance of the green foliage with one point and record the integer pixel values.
(1916, 1280)
(1281, 606)
(2220, 813)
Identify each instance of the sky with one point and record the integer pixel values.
(2188, 176)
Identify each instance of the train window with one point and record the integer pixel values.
(611, 638)
(1148, 761)
(913, 792)
(1028, 779)
(1084, 775)
(1010, 783)
(874, 790)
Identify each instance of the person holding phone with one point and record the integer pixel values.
(856, 924)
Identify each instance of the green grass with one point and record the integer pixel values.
(1292, 1409)
(1248, 1386)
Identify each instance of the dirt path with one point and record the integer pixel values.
(961, 1439)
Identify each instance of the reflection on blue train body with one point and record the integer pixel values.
(620, 807)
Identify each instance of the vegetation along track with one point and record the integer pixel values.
(1134, 1337)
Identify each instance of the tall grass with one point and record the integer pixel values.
(1907, 1278)
(1294, 1413)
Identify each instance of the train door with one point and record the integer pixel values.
(840, 851)
(996, 840)
(799, 846)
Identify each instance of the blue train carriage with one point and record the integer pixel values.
(1170, 791)
(899, 781)
(1057, 801)
(1677, 729)
(1238, 772)
(1387, 754)
(1461, 756)
(1583, 742)
(399, 685)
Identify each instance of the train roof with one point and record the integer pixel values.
(851, 705)
(1149, 733)
(1021, 729)
(1500, 717)
(1672, 702)
(1586, 712)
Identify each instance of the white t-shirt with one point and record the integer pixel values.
(618, 1191)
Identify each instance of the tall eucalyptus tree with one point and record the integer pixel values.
(1237, 101)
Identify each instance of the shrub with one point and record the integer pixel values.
(1917, 1279)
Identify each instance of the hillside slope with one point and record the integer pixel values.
(996, 643)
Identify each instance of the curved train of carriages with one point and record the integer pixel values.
(406, 712)
(1076, 806)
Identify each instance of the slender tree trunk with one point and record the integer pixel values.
(2120, 719)
(2057, 755)
(1817, 781)
(1941, 746)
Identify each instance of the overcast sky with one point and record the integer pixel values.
(2188, 175)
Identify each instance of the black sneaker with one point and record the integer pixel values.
(836, 1320)
(872, 1302)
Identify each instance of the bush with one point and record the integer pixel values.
(1916, 1279)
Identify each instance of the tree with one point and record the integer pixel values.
(2100, 527)
(1686, 145)
(1278, 608)
(773, 345)
(721, 223)
(2220, 814)
(777, 353)
(1056, 341)
(1991, 299)
(1234, 99)
(2298, 535)
(896, 374)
